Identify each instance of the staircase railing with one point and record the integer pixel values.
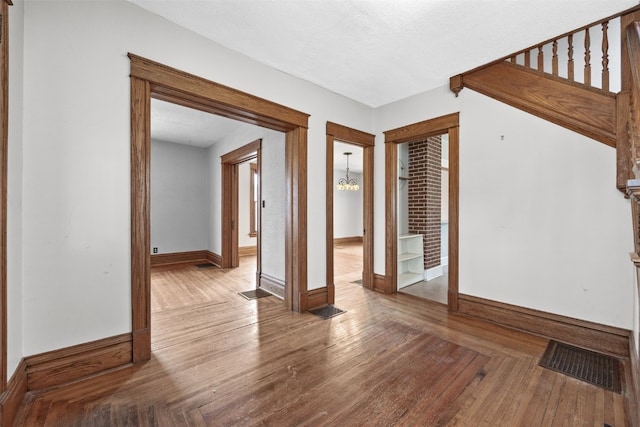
(564, 56)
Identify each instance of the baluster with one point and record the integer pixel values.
(570, 60)
(527, 59)
(540, 59)
(512, 59)
(587, 58)
(554, 59)
(605, 56)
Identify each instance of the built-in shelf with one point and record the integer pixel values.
(410, 259)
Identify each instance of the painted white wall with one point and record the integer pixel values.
(347, 208)
(76, 156)
(179, 197)
(541, 222)
(14, 190)
(244, 205)
(272, 251)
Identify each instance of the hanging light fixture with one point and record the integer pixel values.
(347, 183)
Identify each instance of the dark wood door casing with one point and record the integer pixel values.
(229, 184)
(366, 141)
(448, 124)
(151, 79)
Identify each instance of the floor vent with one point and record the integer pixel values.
(206, 265)
(327, 311)
(595, 368)
(255, 294)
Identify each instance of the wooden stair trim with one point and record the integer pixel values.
(589, 112)
(12, 398)
(593, 336)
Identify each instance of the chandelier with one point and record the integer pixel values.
(347, 183)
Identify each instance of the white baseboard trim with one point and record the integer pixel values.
(444, 261)
(433, 272)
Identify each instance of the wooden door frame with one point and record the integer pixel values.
(448, 124)
(229, 183)
(151, 79)
(4, 143)
(366, 141)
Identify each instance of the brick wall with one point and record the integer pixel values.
(425, 174)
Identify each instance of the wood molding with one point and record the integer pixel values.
(588, 111)
(448, 124)
(272, 285)
(632, 390)
(178, 257)
(205, 95)
(348, 240)
(247, 250)
(214, 258)
(149, 78)
(66, 365)
(382, 284)
(315, 298)
(4, 144)
(350, 135)
(11, 399)
(581, 333)
(296, 217)
(365, 140)
(230, 198)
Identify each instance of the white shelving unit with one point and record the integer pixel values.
(410, 259)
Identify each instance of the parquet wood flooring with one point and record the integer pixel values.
(221, 360)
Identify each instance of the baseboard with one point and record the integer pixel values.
(178, 257)
(247, 250)
(70, 364)
(347, 240)
(314, 298)
(214, 258)
(433, 272)
(13, 396)
(273, 285)
(381, 283)
(593, 336)
(632, 379)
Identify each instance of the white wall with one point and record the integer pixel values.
(76, 156)
(14, 191)
(272, 251)
(244, 205)
(541, 222)
(273, 193)
(347, 208)
(179, 197)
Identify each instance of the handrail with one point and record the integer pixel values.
(633, 48)
(539, 62)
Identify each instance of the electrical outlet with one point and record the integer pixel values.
(155, 250)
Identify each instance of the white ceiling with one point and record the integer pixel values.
(380, 51)
(340, 160)
(372, 51)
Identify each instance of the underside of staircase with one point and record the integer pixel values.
(530, 80)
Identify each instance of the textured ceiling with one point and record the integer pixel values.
(380, 51)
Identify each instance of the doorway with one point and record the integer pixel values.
(338, 134)
(423, 218)
(151, 79)
(444, 125)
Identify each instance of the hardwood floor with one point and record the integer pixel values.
(221, 360)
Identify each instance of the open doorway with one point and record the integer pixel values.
(348, 211)
(423, 170)
(341, 139)
(394, 244)
(149, 80)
